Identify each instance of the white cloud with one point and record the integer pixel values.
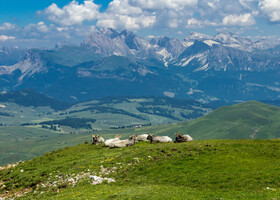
(164, 4)
(176, 14)
(194, 23)
(73, 13)
(160, 15)
(239, 20)
(126, 22)
(4, 38)
(7, 26)
(121, 14)
(36, 29)
(123, 7)
(42, 27)
(271, 8)
(137, 14)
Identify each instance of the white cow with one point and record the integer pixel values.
(159, 139)
(123, 143)
(142, 138)
(182, 138)
(96, 139)
(108, 142)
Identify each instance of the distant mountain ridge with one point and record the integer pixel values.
(109, 63)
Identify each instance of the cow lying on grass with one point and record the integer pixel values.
(159, 139)
(108, 142)
(142, 138)
(96, 139)
(182, 138)
(122, 143)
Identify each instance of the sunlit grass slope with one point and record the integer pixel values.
(246, 120)
(249, 120)
(213, 169)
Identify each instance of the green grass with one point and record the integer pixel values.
(213, 169)
(241, 121)
(246, 120)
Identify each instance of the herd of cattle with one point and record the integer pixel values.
(118, 143)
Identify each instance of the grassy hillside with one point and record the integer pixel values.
(214, 169)
(24, 143)
(249, 120)
(246, 120)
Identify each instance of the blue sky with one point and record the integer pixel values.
(43, 23)
(23, 12)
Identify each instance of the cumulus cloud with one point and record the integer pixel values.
(7, 26)
(126, 22)
(73, 13)
(36, 29)
(239, 20)
(271, 8)
(4, 38)
(194, 23)
(43, 35)
(175, 14)
(137, 14)
(42, 27)
(120, 14)
(158, 15)
(123, 7)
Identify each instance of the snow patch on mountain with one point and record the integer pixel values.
(203, 68)
(186, 61)
(210, 42)
(169, 94)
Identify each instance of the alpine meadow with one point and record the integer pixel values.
(140, 99)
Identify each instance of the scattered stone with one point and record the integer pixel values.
(99, 180)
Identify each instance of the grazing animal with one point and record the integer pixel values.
(159, 139)
(142, 138)
(182, 138)
(107, 143)
(124, 143)
(96, 139)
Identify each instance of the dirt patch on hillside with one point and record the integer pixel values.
(9, 166)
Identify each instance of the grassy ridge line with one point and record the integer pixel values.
(241, 121)
(213, 169)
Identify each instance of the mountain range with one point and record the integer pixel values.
(112, 63)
